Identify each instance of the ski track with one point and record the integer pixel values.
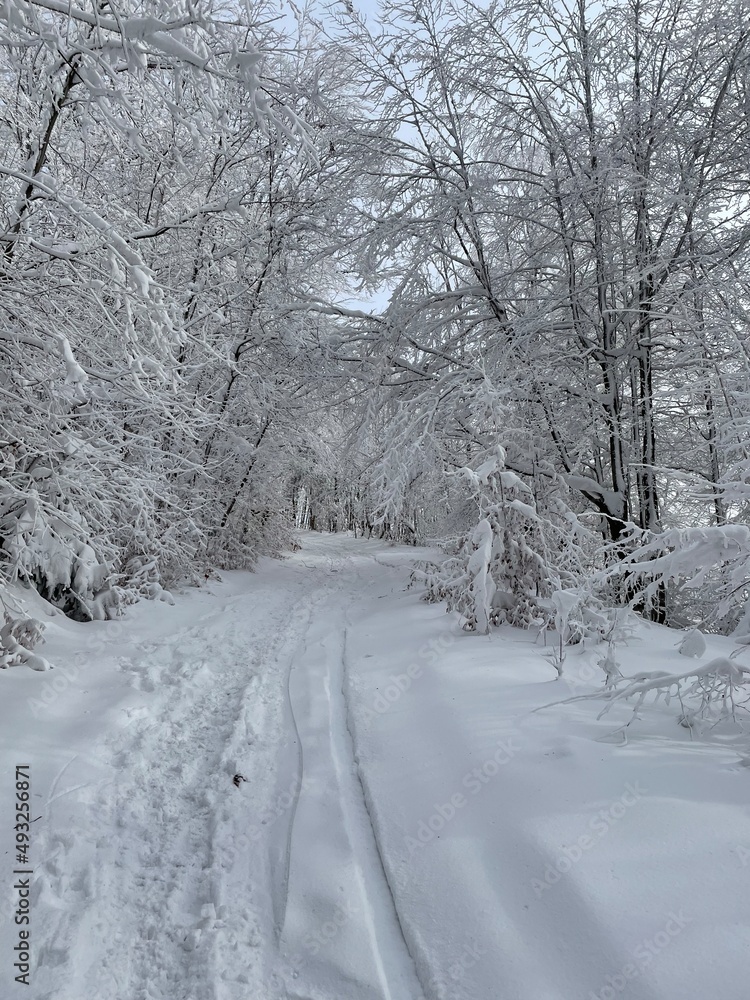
(372, 921)
(290, 762)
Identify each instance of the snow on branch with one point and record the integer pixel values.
(716, 691)
(716, 557)
(208, 46)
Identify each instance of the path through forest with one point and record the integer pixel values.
(305, 784)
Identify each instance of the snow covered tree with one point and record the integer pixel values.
(553, 200)
(136, 149)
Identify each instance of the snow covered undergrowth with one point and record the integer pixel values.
(407, 827)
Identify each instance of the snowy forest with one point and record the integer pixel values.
(472, 274)
(375, 476)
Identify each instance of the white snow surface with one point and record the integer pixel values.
(407, 829)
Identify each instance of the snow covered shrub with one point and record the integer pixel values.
(144, 577)
(579, 615)
(576, 616)
(18, 636)
(49, 550)
(252, 533)
(509, 566)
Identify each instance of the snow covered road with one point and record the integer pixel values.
(401, 827)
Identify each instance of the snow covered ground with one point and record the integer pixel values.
(406, 828)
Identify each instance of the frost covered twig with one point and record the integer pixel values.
(708, 693)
